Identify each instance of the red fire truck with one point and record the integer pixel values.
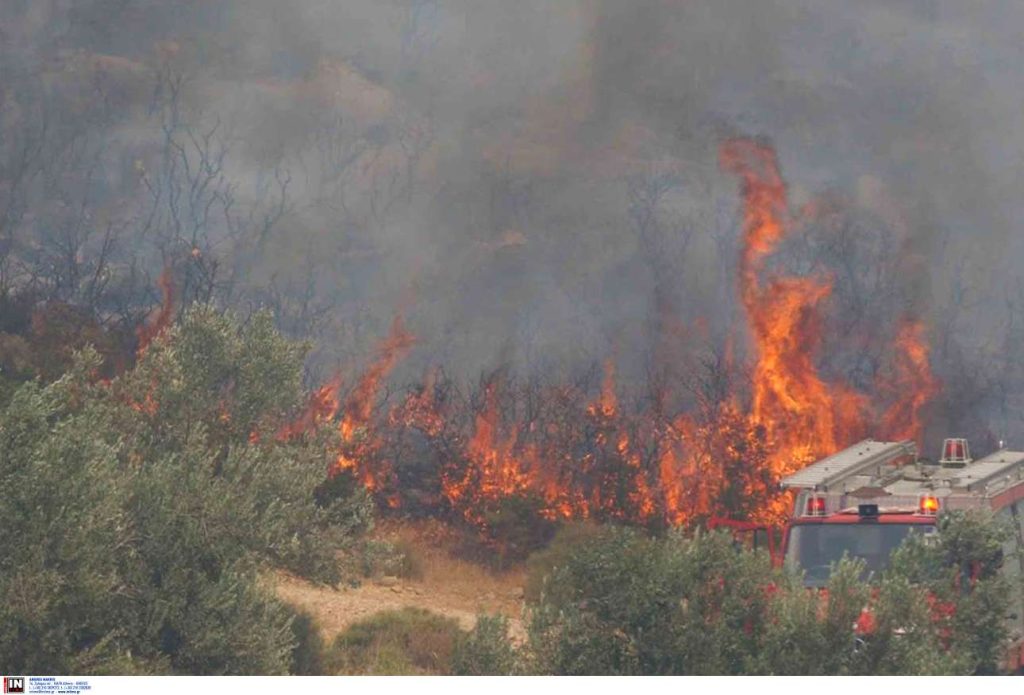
(866, 500)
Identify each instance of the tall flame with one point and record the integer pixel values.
(360, 403)
(914, 384)
(494, 470)
(150, 331)
(147, 333)
(804, 416)
(419, 410)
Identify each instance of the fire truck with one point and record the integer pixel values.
(864, 501)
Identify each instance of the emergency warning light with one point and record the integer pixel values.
(955, 453)
(815, 506)
(928, 505)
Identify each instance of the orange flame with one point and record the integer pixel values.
(607, 405)
(359, 405)
(419, 409)
(493, 471)
(914, 384)
(804, 417)
(150, 331)
(322, 407)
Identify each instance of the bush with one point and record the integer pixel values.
(968, 597)
(611, 608)
(141, 513)
(506, 530)
(398, 558)
(622, 603)
(485, 650)
(65, 525)
(542, 563)
(398, 642)
(308, 654)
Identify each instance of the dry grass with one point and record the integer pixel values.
(446, 585)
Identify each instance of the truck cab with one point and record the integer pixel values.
(864, 501)
(815, 544)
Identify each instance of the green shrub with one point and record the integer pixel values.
(308, 654)
(410, 563)
(398, 642)
(622, 603)
(959, 569)
(65, 526)
(567, 540)
(140, 514)
(486, 650)
(398, 558)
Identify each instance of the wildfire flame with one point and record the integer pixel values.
(803, 416)
(913, 381)
(358, 409)
(494, 471)
(419, 409)
(322, 407)
(592, 459)
(608, 403)
(148, 332)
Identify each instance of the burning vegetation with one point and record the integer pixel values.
(521, 452)
(514, 454)
(297, 177)
(158, 323)
(210, 211)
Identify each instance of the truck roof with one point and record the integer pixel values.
(891, 475)
(868, 457)
(994, 470)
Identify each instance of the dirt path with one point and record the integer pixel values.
(448, 586)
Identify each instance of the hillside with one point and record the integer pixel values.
(446, 585)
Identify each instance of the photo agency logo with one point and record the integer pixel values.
(14, 684)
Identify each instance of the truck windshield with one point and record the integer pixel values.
(815, 548)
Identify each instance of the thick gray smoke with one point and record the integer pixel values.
(533, 183)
